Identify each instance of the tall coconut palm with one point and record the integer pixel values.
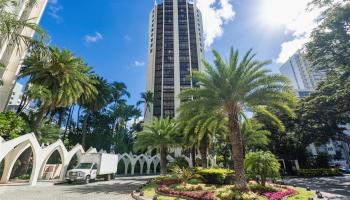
(119, 91)
(160, 134)
(62, 74)
(94, 103)
(147, 100)
(236, 86)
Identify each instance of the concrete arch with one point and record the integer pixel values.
(10, 160)
(11, 150)
(57, 146)
(126, 159)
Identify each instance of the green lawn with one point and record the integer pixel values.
(303, 194)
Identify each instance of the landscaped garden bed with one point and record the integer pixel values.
(172, 188)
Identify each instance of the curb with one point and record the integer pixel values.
(136, 196)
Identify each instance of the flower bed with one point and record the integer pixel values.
(200, 195)
(278, 195)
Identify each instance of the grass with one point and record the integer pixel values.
(303, 194)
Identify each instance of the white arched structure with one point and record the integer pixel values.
(131, 159)
(11, 150)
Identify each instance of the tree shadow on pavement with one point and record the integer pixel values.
(338, 187)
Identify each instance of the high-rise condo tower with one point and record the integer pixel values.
(12, 55)
(175, 50)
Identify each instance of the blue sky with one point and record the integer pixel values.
(111, 35)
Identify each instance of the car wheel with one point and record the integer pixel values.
(87, 179)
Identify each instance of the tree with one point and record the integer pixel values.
(119, 91)
(234, 87)
(95, 102)
(160, 134)
(200, 127)
(147, 100)
(11, 125)
(64, 76)
(254, 136)
(261, 165)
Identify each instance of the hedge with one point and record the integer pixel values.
(217, 176)
(318, 172)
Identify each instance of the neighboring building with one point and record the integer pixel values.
(304, 80)
(15, 99)
(175, 49)
(11, 55)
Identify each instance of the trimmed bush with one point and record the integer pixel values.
(259, 188)
(319, 172)
(261, 165)
(217, 176)
(194, 181)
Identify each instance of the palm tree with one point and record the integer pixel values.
(119, 90)
(95, 103)
(11, 24)
(201, 127)
(159, 134)
(235, 87)
(147, 99)
(253, 135)
(64, 76)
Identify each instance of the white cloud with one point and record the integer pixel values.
(139, 63)
(93, 38)
(297, 21)
(215, 14)
(54, 8)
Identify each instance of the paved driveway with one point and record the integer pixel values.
(118, 189)
(335, 188)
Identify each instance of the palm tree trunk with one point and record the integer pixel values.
(78, 117)
(203, 148)
(71, 109)
(38, 121)
(237, 150)
(61, 114)
(83, 139)
(163, 161)
(193, 155)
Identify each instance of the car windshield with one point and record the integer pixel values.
(84, 166)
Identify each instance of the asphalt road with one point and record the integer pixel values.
(334, 188)
(118, 189)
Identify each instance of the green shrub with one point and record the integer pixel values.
(180, 162)
(194, 181)
(164, 178)
(183, 174)
(237, 195)
(218, 176)
(260, 188)
(319, 172)
(261, 165)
